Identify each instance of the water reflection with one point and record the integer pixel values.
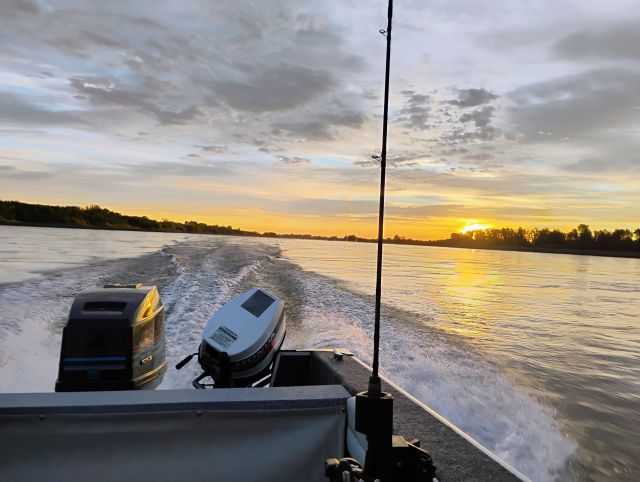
(564, 326)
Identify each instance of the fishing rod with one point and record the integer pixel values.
(374, 409)
(388, 457)
(374, 382)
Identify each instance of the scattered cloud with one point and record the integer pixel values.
(188, 169)
(11, 172)
(630, 164)
(402, 159)
(19, 109)
(264, 88)
(214, 149)
(462, 136)
(293, 160)
(472, 98)
(415, 113)
(15, 8)
(619, 40)
(480, 117)
(576, 106)
(323, 122)
(105, 91)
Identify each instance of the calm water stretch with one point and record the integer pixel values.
(535, 355)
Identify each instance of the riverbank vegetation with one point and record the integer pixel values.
(95, 217)
(581, 240)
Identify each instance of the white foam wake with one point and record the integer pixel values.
(203, 284)
(453, 380)
(32, 315)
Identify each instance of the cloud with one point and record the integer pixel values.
(462, 136)
(214, 149)
(576, 106)
(415, 113)
(472, 126)
(368, 209)
(211, 68)
(472, 98)
(105, 91)
(293, 160)
(181, 169)
(364, 208)
(401, 159)
(84, 43)
(179, 116)
(505, 186)
(606, 157)
(11, 172)
(480, 117)
(16, 109)
(478, 157)
(615, 164)
(266, 88)
(338, 114)
(322, 122)
(15, 8)
(614, 41)
(310, 130)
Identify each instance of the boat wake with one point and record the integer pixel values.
(206, 278)
(197, 276)
(441, 372)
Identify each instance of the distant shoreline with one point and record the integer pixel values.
(4, 222)
(436, 244)
(577, 252)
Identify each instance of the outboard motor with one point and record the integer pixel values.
(113, 340)
(240, 341)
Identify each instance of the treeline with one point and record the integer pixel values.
(577, 240)
(14, 212)
(350, 237)
(95, 217)
(580, 238)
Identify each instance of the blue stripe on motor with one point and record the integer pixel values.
(93, 367)
(97, 359)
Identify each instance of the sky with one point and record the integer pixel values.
(265, 114)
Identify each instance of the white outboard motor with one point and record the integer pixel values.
(240, 341)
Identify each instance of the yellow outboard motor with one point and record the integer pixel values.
(113, 340)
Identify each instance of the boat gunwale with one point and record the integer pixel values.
(153, 401)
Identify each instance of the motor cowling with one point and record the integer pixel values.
(114, 339)
(241, 339)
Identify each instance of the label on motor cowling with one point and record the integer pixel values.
(223, 336)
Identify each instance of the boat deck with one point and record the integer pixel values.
(283, 432)
(456, 455)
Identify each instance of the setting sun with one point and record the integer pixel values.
(474, 227)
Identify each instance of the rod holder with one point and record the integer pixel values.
(374, 418)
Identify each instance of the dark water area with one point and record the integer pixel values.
(534, 355)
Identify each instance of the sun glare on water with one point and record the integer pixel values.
(474, 227)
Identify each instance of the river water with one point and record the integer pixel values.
(535, 355)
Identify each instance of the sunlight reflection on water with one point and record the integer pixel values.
(563, 326)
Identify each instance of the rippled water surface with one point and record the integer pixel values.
(535, 355)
